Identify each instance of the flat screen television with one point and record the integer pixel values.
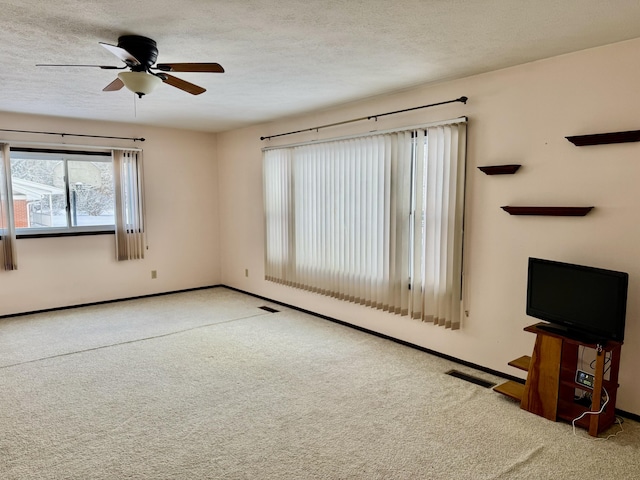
(582, 302)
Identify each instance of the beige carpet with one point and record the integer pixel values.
(204, 385)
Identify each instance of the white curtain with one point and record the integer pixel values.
(338, 220)
(7, 226)
(129, 190)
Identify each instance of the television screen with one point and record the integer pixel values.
(586, 301)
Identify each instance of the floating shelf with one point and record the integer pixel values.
(500, 169)
(605, 138)
(549, 211)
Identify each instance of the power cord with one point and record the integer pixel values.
(618, 419)
(607, 361)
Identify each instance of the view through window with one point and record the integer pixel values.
(56, 191)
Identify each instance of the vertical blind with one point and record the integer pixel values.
(375, 219)
(7, 226)
(437, 232)
(129, 193)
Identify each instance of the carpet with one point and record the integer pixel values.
(205, 385)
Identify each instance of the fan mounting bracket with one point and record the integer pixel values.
(142, 48)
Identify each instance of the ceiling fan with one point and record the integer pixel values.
(139, 55)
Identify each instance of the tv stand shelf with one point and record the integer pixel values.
(522, 363)
(550, 388)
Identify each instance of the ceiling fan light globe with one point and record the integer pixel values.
(140, 83)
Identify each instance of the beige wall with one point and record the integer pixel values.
(518, 115)
(182, 224)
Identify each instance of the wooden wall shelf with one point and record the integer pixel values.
(499, 169)
(549, 211)
(605, 138)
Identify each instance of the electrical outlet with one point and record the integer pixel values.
(246, 272)
(154, 274)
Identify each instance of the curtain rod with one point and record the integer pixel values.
(19, 144)
(461, 99)
(369, 134)
(72, 135)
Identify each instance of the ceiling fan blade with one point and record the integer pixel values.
(190, 67)
(182, 84)
(104, 67)
(113, 86)
(121, 53)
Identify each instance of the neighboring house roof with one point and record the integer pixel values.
(33, 190)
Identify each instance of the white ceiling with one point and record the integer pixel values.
(282, 57)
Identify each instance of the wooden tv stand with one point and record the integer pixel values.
(550, 388)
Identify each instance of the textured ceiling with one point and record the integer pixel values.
(281, 57)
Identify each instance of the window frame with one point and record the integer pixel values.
(423, 221)
(70, 230)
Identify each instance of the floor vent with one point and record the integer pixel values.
(470, 378)
(269, 309)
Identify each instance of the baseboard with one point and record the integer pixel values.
(104, 302)
(386, 337)
(622, 413)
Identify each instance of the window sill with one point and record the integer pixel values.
(64, 234)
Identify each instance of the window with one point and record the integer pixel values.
(374, 219)
(62, 192)
(59, 191)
